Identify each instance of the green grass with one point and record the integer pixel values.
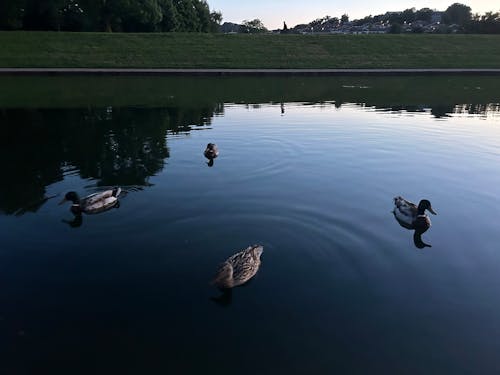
(191, 50)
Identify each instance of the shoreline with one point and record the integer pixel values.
(247, 72)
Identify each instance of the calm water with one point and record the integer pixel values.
(307, 167)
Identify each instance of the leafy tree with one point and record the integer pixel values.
(252, 27)
(362, 21)
(140, 15)
(395, 28)
(408, 15)
(458, 13)
(316, 24)
(72, 16)
(188, 17)
(11, 14)
(215, 21)
(489, 23)
(424, 14)
(344, 18)
(170, 16)
(203, 13)
(42, 14)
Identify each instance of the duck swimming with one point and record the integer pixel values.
(238, 268)
(412, 216)
(94, 203)
(211, 152)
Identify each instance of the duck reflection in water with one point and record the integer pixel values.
(237, 270)
(225, 299)
(413, 217)
(211, 152)
(90, 205)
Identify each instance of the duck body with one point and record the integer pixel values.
(238, 268)
(212, 151)
(94, 203)
(411, 216)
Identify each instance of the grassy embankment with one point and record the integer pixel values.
(178, 50)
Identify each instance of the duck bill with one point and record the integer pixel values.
(432, 211)
(62, 201)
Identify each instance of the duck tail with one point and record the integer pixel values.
(116, 191)
(223, 277)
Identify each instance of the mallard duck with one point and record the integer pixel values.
(238, 268)
(411, 216)
(94, 203)
(211, 152)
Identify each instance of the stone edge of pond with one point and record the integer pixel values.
(244, 72)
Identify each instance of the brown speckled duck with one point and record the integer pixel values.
(211, 152)
(238, 268)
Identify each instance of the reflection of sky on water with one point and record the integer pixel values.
(312, 182)
(126, 146)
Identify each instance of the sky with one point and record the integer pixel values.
(273, 12)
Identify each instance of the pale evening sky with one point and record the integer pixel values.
(274, 12)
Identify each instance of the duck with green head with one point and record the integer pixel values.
(411, 216)
(94, 203)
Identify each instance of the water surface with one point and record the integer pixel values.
(307, 167)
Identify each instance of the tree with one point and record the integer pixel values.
(365, 20)
(72, 16)
(188, 17)
(203, 13)
(141, 16)
(11, 14)
(344, 18)
(424, 14)
(489, 23)
(170, 16)
(458, 13)
(395, 28)
(252, 27)
(215, 21)
(42, 14)
(408, 15)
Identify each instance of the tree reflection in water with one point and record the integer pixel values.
(114, 146)
(123, 145)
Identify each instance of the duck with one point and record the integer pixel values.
(411, 216)
(211, 152)
(94, 203)
(238, 268)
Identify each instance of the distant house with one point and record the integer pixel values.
(437, 17)
(229, 28)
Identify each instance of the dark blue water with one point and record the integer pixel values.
(342, 287)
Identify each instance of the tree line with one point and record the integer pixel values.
(459, 15)
(456, 18)
(109, 15)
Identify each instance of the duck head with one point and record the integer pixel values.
(425, 205)
(211, 151)
(71, 197)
